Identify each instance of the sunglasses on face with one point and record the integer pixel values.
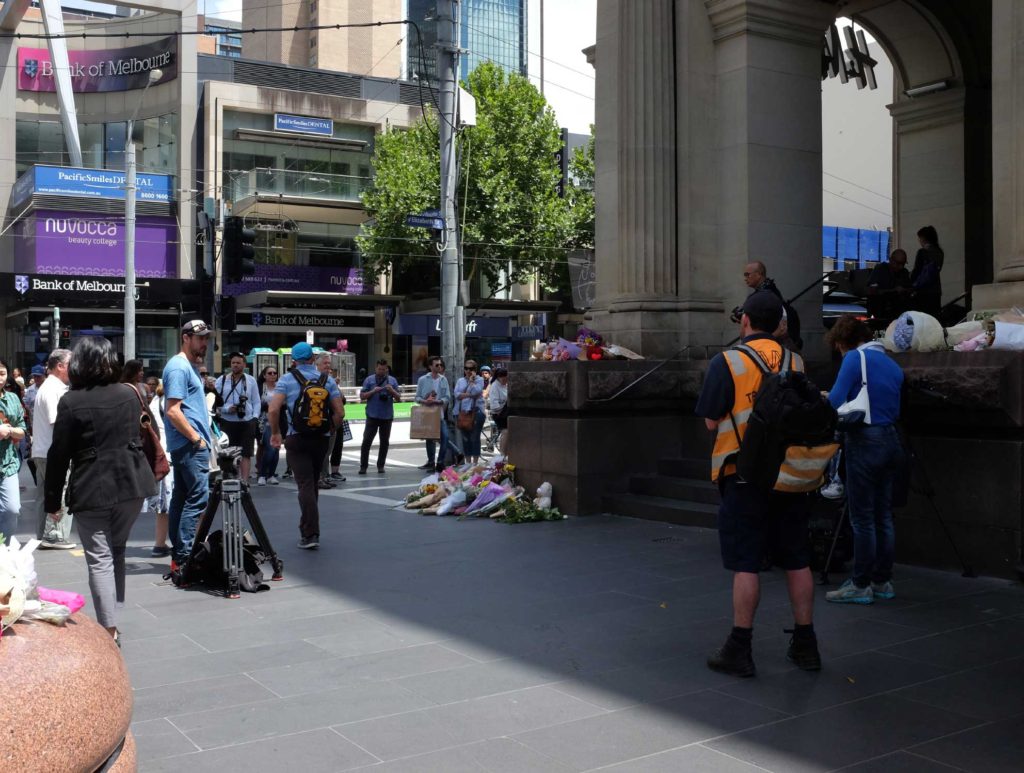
(271, 372)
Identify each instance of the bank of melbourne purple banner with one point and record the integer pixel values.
(317, 279)
(111, 69)
(91, 244)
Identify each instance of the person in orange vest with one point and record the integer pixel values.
(754, 524)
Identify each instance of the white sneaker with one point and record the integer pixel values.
(275, 481)
(261, 481)
(834, 490)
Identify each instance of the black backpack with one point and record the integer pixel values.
(789, 438)
(206, 565)
(311, 413)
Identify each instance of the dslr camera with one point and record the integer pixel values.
(242, 400)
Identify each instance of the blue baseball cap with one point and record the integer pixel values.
(38, 370)
(302, 352)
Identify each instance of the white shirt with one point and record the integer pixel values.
(230, 391)
(497, 396)
(44, 414)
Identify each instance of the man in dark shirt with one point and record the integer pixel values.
(889, 288)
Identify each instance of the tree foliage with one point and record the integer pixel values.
(513, 224)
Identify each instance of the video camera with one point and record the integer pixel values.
(228, 460)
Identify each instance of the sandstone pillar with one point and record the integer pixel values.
(768, 71)
(638, 282)
(1007, 159)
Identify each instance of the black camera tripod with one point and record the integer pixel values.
(227, 489)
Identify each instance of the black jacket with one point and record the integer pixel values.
(97, 435)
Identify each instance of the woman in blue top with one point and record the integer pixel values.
(874, 457)
(469, 396)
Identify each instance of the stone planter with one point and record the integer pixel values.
(65, 692)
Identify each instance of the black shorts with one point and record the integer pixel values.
(753, 525)
(241, 434)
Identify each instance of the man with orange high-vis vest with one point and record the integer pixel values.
(755, 524)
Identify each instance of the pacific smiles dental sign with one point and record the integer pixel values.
(117, 69)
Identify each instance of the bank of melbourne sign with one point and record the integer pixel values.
(90, 184)
(111, 69)
(303, 125)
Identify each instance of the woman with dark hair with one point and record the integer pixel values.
(469, 397)
(131, 373)
(12, 431)
(925, 280)
(266, 455)
(874, 456)
(97, 435)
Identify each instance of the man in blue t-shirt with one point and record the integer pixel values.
(187, 428)
(306, 449)
(380, 393)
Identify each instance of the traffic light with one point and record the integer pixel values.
(238, 252)
(46, 335)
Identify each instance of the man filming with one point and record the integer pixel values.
(240, 409)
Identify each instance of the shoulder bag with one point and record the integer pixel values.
(151, 441)
(856, 412)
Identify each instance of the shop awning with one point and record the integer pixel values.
(490, 307)
(325, 299)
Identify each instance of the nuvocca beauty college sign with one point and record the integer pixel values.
(111, 69)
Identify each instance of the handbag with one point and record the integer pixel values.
(346, 430)
(857, 412)
(151, 442)
(466, 420)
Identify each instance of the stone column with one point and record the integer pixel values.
(637, 275)
(768, 57)
(1007, 159)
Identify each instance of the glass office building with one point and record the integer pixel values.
(490, 30)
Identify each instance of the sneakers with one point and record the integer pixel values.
(834, 490)
(380, 470)
(273, 480)
(287, 473)
(883, 590)
(57, 544)
(261, 481)
(803, 651)
(426, 466)
(324, 483)
(362, 471)
(733, 658)
(160, 551)
(849, 593)
(309, 543)
(337, 476)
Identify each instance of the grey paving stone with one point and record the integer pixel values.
(368, 638)
(169, 671)
(994, 748)
(987, 693)
(157, 648)
(257, 632)
(901, 762)
(850, 637)
(318, 675)
(315, 751)
(477, 680)
(456, 760)
(840, 681)
(217, 693)
(506, 755)
(400, 735)
(635, 732)
(825, 740)
(953, 612)
(158, 738)
(282, 716)
(692, 759)
(967, 647)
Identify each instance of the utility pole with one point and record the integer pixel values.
(453, 315)
(129, 247)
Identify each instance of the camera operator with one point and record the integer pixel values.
(380, 393)
(240, 409)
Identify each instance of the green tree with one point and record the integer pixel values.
(513, 224)
(580, 193)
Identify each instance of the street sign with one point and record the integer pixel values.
(309, 337)
(430, 218)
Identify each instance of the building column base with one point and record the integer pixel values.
(999, 295)
(659, 328)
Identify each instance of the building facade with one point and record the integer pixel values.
(62, 178)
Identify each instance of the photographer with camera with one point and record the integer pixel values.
(240, 409)
(314, 408)
(380, 393)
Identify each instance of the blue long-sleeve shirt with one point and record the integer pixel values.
(885, 380)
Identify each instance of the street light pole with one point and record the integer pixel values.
(129, 224)
(452, 313)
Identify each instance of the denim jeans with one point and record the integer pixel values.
(874, 456)
(471, 438)
(189, 497)
(268, 464)
(432, 446)
(10, 506)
